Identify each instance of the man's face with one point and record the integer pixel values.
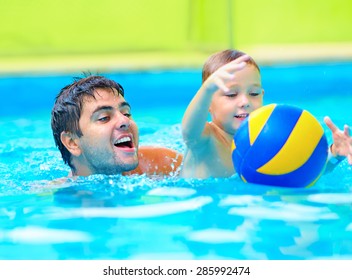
(109, 144)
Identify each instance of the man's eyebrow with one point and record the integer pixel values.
(124, 104)
(110, 108)
(103, 108)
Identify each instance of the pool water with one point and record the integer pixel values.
(116, 217)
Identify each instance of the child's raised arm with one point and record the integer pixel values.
(195, 117)
(342, 145)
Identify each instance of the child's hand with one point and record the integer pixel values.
(342, 145)
(220, 77)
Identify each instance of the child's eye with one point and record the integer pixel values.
(231, 95)
(254, 93)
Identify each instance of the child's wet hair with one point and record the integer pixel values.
(219, 59)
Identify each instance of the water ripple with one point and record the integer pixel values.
(39, 235)
(331, 198)
(285, 212)
(217, 236)
(175, 192)
(132, 212)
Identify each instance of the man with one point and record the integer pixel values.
(95, 133)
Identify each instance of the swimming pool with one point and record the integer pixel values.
(115, 217)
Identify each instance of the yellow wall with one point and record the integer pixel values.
(107, 26)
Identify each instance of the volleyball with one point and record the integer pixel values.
(280, 145)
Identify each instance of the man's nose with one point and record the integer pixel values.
(123, 122)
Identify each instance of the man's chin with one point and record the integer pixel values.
(128, 165)
(118, 167)
(131, 166)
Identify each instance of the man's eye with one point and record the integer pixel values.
(128, 115)
(104, 119)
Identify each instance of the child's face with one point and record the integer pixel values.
(228, 110)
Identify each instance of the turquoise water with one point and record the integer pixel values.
(116, 217)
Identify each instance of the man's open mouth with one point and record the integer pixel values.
(124, 142)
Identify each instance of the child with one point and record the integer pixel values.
(231, 90)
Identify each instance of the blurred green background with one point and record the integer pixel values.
(37, 28)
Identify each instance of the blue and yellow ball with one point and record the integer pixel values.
(280, 145)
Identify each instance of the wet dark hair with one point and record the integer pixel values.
(68, 106)
(215, 61)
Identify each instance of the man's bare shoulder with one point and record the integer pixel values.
(154, 160)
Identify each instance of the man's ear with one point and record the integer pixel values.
(71, 142)
(210, 109)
